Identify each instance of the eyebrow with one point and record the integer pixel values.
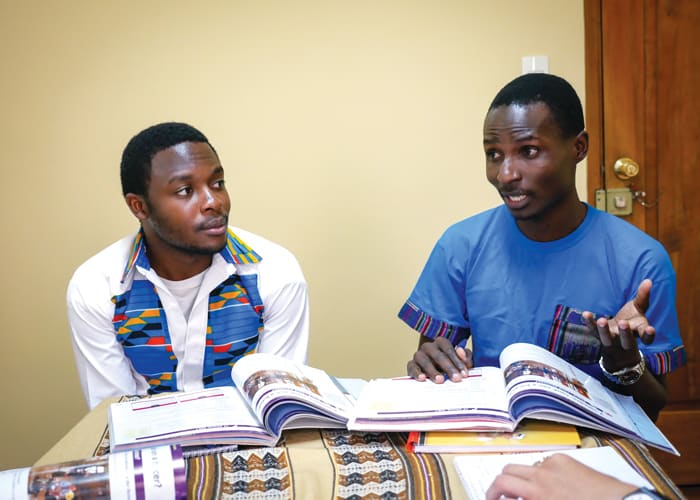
(524, 138)
(187, 177)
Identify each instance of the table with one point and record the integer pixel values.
(328, 464)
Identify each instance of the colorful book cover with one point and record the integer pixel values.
(530, 435)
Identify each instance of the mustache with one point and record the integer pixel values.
(221, 220)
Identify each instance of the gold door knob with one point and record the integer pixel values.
(626, 168)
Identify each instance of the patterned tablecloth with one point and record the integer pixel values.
(330, 464)
(339, 464)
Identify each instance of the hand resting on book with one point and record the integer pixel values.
(557, 476)
(437, 359)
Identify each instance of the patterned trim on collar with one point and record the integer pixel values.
(236, 251)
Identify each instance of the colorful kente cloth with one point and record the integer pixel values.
(233, 324)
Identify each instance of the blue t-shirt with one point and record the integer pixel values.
(486, 279)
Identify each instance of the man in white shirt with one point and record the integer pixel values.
(175, 305)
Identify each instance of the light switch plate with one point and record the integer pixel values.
(535, 64)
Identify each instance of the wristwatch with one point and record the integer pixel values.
(626, 376)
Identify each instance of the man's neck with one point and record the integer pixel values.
(176, 265)
(554, 225)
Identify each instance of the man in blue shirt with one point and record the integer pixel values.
(544, 267)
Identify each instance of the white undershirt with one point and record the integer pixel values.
(185, 291)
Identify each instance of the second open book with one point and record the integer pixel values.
(273, 394)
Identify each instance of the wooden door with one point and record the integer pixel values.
(643, 102)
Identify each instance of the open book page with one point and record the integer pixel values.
(542, 385)
(643, 425)
(530, 369)
(352, 387)
(404, 404)
(477, 472)
(189, 418)
(286, 395)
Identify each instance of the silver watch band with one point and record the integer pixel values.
(626, 376)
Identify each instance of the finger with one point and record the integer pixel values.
(604, 332)
(519, 470)
(414, 371)
(627, 337)
(465, 356)
(449, 359)
(426, 364)
(461, 353)
(641, 300)
(640, 328)
(589, 319)
(648, 335)
(439, 358)
(508, 486)
(468, 358)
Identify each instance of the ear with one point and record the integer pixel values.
(581, 145)
(137, 204)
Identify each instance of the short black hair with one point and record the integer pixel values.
(135, 169)
(552, 90)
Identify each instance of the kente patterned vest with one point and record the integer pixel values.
(142, 328)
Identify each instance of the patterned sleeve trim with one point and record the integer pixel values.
(570, 339)
(661, 363)
(431, 327)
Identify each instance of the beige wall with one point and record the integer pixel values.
(350, 132)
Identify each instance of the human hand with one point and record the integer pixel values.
(557, 476)
(437, 358)
(618, 335)
(633, 313)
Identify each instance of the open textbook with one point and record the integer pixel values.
(531, 382)
(271, 394)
